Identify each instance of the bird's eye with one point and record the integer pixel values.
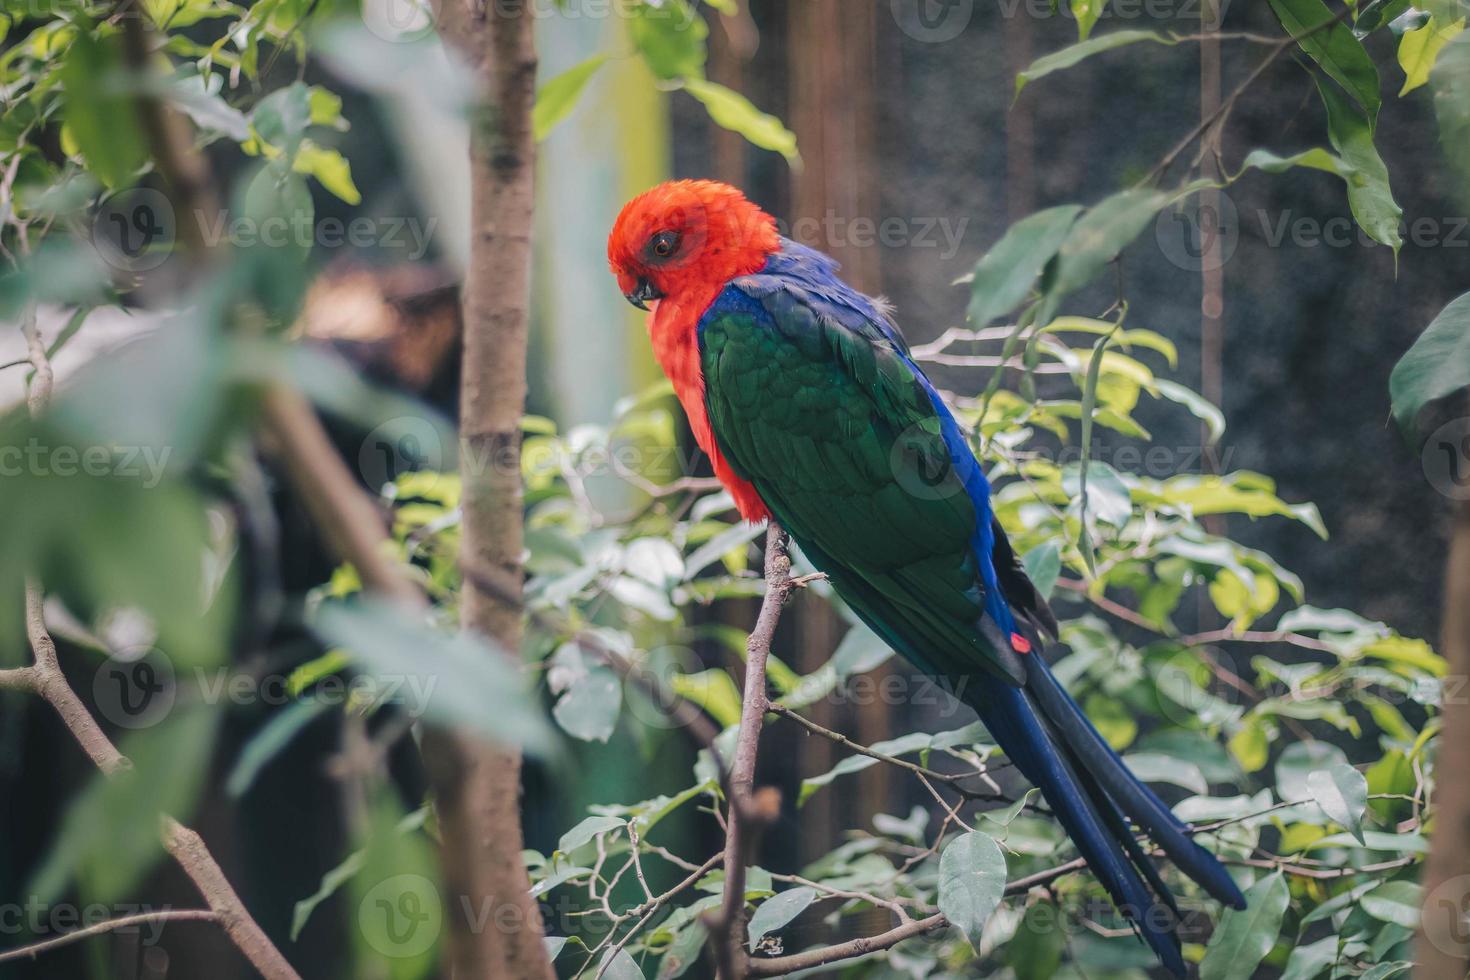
(665, 244)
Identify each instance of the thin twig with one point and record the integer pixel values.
(111, 925)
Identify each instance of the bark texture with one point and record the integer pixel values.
(496, 928)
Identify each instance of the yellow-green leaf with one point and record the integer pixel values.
(1418, 50)
(735, 112)
(558, 97)
(330, 168)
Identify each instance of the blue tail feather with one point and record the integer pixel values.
(1094, 795)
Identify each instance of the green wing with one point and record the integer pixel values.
(838, 435)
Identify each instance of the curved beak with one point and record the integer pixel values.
(640, 296)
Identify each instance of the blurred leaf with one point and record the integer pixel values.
(972, 880)
(1244, 937)
(1330, 42)
(282, 117)
(109, 835)
(1342, 793)
(1069, 56)
(775, 912)
(451, 679)
(712, 690)
(590, 694)
(269, 741)
(101, 114)
(1437, 365)
(1450, 80)
(733, 111)
(1154, 767)
(733, 537)
(671, 38)
(338, 876)
(330, 168)
(1369, 194)
(556, 99)
(1043, 565)
(1112, 720)
(198, 96)
(1250, 745)
(397, 905)
(1035, 951)
(1006, 273)
(683, 952)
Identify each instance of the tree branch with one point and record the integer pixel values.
(727, 928)
(45, 678)
(111, 925)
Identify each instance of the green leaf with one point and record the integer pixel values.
(618, 964)
(1437, 365)
(972, 881)
(775, 912)
(1069, 56)
(733, 111)
(671, 38)
(1035, 951)
(109, 835)
(1313, 159)
(397, 903)
(1155, 767)
(1398, 902)
(1369, 194)
(1419, 49)
(1298, 762)
(590, 694)
(272, 738)
(683, 952)
(1198, 405)
(1007, 272)
(1342, 793)
(1043, 565)
(1087, 12)
(330, 168)
(556, 99)
(100, 113)
(451, 679)
(1244, 937)
(282, 117)
(1335, 47)
(1308, 961)
(587, 829)
(1450, 80)
(198, 96)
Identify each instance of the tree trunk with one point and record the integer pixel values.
(1443, 946)
(495, 926)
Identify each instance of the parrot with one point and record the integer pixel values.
(804, 396)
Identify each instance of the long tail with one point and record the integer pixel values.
(1094, 795)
